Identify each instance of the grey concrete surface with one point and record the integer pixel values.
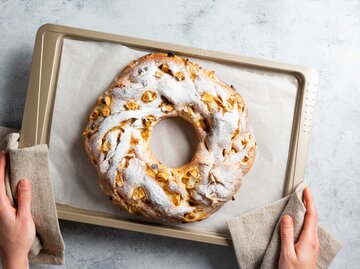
(320, 34)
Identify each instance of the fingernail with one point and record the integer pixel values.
(24, 183)
(287, 220)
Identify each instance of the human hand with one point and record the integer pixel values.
(302, 255)
(17, 229)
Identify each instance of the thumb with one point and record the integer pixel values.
(24, 198)
(287, 235)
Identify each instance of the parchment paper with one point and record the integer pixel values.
(88, 68)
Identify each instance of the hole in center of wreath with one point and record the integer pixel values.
(173, 141)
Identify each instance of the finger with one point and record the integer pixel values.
(2, 177)
(287, 236)
(310, 223)
(24, 198)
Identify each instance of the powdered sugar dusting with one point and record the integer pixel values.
(182, 93)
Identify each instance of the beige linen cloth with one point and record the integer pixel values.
(32, 163)
(256, 234)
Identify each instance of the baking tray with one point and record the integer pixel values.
(36, 123)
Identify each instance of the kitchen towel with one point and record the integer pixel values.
(32, 163)
(256, 234)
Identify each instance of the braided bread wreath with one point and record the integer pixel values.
(154, 87)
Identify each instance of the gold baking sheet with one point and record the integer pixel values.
(39, 103)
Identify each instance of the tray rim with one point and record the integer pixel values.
(36, 124)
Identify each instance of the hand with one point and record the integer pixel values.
(305, 252)
(17, 229)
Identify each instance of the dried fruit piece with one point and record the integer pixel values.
(106, 100)
(124, 123)
(87, 133)
(134, 141)
(219, 101)
(139, 193)
(243, 142)
(185, 178)
(238, 98)
(166, 107)
(211, 74)
(179, 76)
(158, 74)
(162, 176)
(189, 217)
(105, 111)
(248, 141)
(106, 146)
(132, 105)
(148, 96)
(207, 97)
(94, 114)
(229, 105)
(119, 180)
(131, 152)
(148, 120)
(194, 173)
(151, 172)
(176, 199)
(145, 133)
(245, 160)
(235, 134)
(188, 110)
(225, 105)
(164, 67)
(191, 178)
(191, 68)
(124, 163)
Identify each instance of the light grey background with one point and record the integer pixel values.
(321, 34)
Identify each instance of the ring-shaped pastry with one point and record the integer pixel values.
(154, 87)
